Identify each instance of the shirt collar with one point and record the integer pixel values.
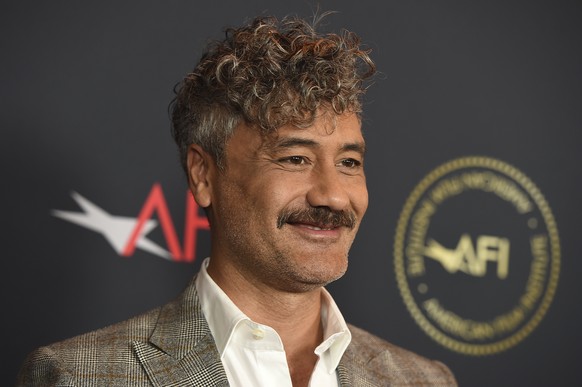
(336, 335)
(221, 313)
(223, 316)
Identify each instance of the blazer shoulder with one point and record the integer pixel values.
(119, 334)
(385, 362)
(108, 356)
(62, 362)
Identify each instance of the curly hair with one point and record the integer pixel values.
(268, 73)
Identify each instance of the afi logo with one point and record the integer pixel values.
(125, 234)
(469, 259)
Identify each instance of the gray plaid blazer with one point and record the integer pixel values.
(172, 346)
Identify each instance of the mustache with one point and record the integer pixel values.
(320, 216)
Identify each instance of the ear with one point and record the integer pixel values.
(200, 169)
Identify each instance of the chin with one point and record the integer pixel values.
(323, 274)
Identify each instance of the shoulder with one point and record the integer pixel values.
(115, 337)
(107, 350)
(110, 355)
(375, 358)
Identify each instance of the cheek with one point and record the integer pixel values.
(260, 202)
(232, 202)
(359, 198)
(279, 192)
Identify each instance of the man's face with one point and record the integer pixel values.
(287, 207)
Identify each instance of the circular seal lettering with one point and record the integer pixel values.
(477, 255)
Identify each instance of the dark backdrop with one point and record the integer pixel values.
(84, 94)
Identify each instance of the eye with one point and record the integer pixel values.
(295, 160)
(351, 163)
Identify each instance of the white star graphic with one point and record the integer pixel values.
(116, 229)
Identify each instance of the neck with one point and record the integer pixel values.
(286, 312)
(296, 317)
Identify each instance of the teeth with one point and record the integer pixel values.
(317, 228)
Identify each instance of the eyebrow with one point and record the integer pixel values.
(359, 147)
(291, 142)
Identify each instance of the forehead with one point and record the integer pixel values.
(337, 132)
(325, 129)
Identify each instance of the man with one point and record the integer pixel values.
(269, 131)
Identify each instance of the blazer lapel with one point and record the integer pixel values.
(181, 350)
(343, 374)
(356, 369)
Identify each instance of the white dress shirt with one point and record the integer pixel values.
(252, 354)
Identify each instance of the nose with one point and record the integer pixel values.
(328, 189)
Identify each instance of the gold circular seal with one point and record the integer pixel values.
(477, 255)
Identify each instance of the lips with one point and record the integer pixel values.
(314, 227)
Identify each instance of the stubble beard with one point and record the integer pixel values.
(283, 268)
(265, 256)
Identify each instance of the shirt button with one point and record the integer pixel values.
(258, 334)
